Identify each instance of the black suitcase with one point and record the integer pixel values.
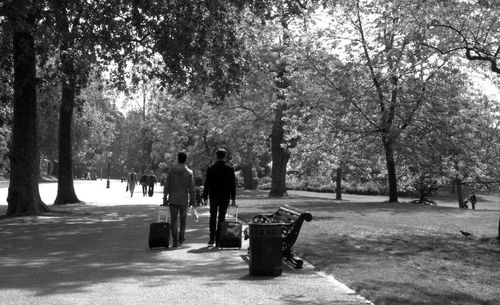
(159, 232)
(230, 233)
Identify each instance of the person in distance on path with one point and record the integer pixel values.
(131, 181)
(151, 182)
(473, 200)
(144, 183)
(220, 188)
(177, 193)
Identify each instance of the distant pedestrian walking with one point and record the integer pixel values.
(177, 193)
(131, 182)
(220, 188)
(473, 200)
(144, 183)
(151, 182)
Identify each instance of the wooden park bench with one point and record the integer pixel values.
(291, 220)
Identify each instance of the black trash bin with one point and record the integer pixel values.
(265, 249)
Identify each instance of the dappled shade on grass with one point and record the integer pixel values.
(398, 253)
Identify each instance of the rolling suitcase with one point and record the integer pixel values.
(159, 232)
(230, 233)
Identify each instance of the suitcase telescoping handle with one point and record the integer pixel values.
(236, 215)
(159, 212)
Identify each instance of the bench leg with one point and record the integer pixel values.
(291, 258)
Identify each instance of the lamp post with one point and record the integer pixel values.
(109, 164)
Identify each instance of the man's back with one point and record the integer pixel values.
(220, 184)
(179, 184)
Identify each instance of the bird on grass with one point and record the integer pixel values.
(465, 233)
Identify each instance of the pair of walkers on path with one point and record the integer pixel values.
(179, 194)
(148, 183)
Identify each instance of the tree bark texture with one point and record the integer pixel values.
(279, 146)
(280, 155)
(248, 176)
(498, 236)
(391, 168)
(421, 190)
(65, 187)
(23, 195)
(338, 182)
(460, 195)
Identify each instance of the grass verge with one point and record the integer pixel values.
(396, 253)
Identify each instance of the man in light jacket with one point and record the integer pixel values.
(178, 192)
(131, 181)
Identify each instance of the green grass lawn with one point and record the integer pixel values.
(397, 253)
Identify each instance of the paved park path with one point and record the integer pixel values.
(99, 255)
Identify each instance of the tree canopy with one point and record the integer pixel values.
(379, 93)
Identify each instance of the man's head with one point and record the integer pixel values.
(221, 153)
(181, 157)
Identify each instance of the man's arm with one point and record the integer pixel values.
(233, 186)
(206, 185)
(166, 189)
(192, 192)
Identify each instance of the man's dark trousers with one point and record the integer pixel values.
(217, 218)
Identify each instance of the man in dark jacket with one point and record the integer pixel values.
(144, 183)
(220, 188)
(151, 182)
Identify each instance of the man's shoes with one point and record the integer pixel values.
(175, 244)
(211, 241)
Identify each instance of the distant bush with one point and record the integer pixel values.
(264, 183)
(359, 188)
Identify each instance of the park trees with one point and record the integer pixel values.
(24, 197)
(5, 98)
(85, 33)
(280, 144)
(193, 49)
(385, 71)
(468, 28)
(96, 126)
(273, 52)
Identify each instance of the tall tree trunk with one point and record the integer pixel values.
(280, 155)
(279, 146)
(460, 195)
(65, 188)
(247, 174)
(24, 196)
(391, 168)
(338, 182)
(421, 189)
